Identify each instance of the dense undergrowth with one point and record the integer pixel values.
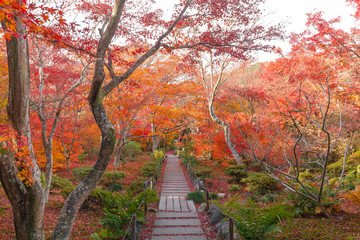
(264, 209)
(107, 211)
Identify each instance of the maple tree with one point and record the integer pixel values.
(142, 70)
(200, 13)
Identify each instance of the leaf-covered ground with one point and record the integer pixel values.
(346, 224)
(87, 221)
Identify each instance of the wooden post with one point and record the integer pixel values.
(156, 173)
(231, 228)
(207, 200)
(133, 227)
(151, 183)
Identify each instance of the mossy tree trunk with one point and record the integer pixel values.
(28, 201)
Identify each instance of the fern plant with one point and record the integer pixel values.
(253, 222)
(354, 196)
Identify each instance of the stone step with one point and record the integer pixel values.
(177, 230)
(175, 194)
(178, 238)
(182, 214)
(174, 191)
(177, 218)
(176, 188)
(175, 203)
(177, 222)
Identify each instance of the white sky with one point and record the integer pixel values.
(293, 12)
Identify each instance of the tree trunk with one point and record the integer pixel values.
(28, 202)
(108, 135)
(67, 164)
(155, 139)
(227, 131)
(83, 190)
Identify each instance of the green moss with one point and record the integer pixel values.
(42, 179)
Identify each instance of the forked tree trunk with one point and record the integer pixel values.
(108, 135)
(28, 202)
(97, 93)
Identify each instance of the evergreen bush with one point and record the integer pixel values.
(203, 172)
(237, 173)
(148, 169)
(197, 196)
(81, 172)
(260, 183)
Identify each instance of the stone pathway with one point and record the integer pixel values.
(177, 218)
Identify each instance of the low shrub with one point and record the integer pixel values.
(253, 222)
(59, 182)
(268, 198)
(214, 196)
(234, 188)
(237, 173)
(203, 172)
(300, 203)
(111, 180)
(159, 155)
(304, 206)
(148, 169)
(350, 181)
(336, 168)
(111, 177)
(306, 176)
(119, 209)
(67, 190)
(354, 196)
(115, 187)
(65, 185)
(186, 158)
(197, 196)
(81, 172)
(136, 187)
(260, 183)
(130, 150)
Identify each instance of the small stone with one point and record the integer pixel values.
(152, 210)
(202, 207)
(221, 195)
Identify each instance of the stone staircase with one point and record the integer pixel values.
(177, 218)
